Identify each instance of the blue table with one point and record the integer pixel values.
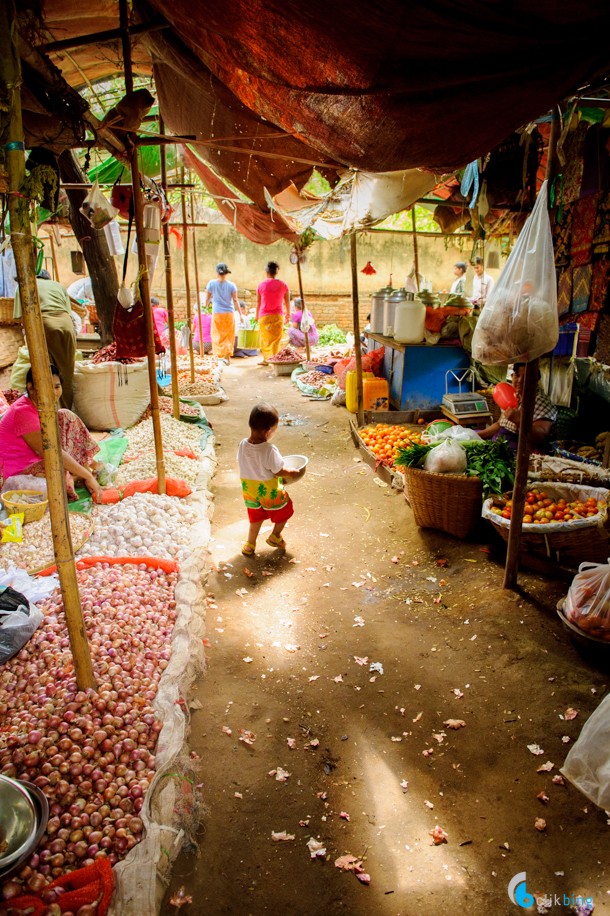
(416, 372)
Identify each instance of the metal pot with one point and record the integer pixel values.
(18, 821)
(378, 301)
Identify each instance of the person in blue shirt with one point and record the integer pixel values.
(222, 293)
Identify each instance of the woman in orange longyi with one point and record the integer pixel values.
(272, 311)
(223, 296)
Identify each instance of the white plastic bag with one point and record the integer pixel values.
(97, 209)
(24, 482)
(19, 620)
(519, 321)
(458, 434)
(588, 600)
(447, 458)
(588, 763)
(16, 628)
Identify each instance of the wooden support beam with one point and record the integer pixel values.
(138, 218)
(21, 240)
(306, 333)
(187, 282)
(98, 38)
(197, 289)
(357, 342)
(169, 292)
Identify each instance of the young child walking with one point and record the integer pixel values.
(262, 472)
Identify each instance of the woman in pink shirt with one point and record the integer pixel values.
(272, 311)
(21, 450)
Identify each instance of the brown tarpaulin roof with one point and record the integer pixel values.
(382, 85)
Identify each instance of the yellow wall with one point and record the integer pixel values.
(326, 272)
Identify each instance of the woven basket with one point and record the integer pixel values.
(32, 512)
(447, 502)
(6, 311)
(284, 368)
(588, 541)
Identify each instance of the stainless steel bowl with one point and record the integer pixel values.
(18, 820)
(42, 814)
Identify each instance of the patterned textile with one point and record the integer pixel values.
(581, 287)
(583, 225)
(272, 328)
(602, 349)
(588, 320)
(574, 148)
(601, 232)
(544, 409)
(599, 284)
(564, 292)
(562, 236)
(264, 494)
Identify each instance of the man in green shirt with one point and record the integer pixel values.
(58, 329)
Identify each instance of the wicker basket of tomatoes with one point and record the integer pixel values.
(565, 522)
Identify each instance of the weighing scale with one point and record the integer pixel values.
(466, 408)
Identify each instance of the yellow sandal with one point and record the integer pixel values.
(275, 541)
(248, 549)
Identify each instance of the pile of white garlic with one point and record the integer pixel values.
(36, 550)
(176, 435)
(143, 525)
(145, 466)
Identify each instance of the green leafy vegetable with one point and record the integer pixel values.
(412, 457)
(331, 334)
(491, 461)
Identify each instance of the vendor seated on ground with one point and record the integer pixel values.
(21, 441)
(507, 427)
(296, 336)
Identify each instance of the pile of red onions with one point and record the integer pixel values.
(107, 354)
(90, 752)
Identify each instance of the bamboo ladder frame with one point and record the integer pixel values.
(187, 281)
(143, 264)
(21, 240)
(196, 266)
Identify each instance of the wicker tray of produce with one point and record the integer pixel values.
(35, 553)
(576, 451)
(568, 543)
(446, 502)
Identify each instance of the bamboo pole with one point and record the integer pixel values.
(21, 240)
(197, 288)
(357, 346)
(521, 469)
(138, 218)
(307, 349)
(187, 282)
(54, 256)
(169, 291)
(415, 248)
(530, 383)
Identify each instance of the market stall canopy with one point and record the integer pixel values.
(361, 199)
(270, 90)
(379, 86)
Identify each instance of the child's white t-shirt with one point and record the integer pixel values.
(260, 461)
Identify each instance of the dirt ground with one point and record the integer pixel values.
(374, 768)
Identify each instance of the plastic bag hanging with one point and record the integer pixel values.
(519, 322)
(97, 209)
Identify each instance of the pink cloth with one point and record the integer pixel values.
(160, 316)
(272, 292)
(15, 454)
(206, 324)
